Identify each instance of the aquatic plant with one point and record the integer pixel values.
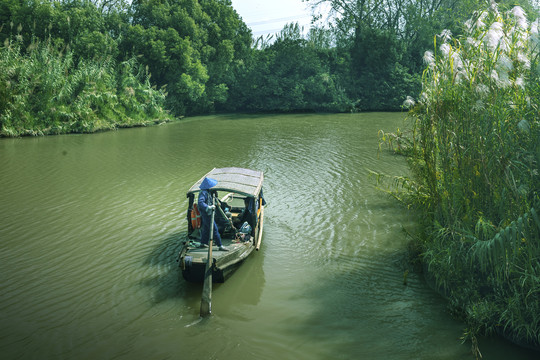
(475, 157)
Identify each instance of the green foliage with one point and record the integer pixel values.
(45, 92)
(202, 52)
(475, 160)
(193, 47)
(291, 74)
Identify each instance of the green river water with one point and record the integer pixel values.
(90, 226)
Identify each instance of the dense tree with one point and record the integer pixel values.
(191, 46)
(194, 47)
(291, 74)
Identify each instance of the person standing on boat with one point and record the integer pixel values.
(206, 207)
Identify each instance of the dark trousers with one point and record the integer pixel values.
(205, 230)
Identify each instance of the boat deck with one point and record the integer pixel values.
(193, 258)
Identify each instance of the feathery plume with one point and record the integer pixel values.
(494, 35)
(482, 90)
(524, 60)
(445, 49)
(445, 35)
(429, 59)
(520, 83)
(519, 15)
(409, 102)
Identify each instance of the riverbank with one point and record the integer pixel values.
(85, 129)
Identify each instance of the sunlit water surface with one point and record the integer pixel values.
(90, 226)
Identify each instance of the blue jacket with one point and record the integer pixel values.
(204, 200)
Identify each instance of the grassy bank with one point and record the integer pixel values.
(45, 91)
(475, 154)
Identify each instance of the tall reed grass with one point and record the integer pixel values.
(475, 155)
(43, 91)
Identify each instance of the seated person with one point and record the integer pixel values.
(246, 215)
(249, 213)
(221, 219)
(238, 220)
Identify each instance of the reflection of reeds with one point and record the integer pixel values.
(45, 91)
(476, 156)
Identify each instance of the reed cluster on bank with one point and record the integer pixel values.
(43, 90)
(474, 152)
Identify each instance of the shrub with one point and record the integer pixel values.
(46, 92)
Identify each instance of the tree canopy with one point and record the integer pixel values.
(366, 55)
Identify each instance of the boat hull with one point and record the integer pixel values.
(239, 207)
(193, 261)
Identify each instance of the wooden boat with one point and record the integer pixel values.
(241, 202)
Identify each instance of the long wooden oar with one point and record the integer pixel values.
(259, 238)
(206, 299)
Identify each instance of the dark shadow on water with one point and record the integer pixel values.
(374, 315)
(166, 282)
(169, 283)
(166, 250)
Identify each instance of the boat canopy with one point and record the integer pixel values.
(238, 180)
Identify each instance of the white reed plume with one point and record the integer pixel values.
(504, 44)
(456, 59)
(429, 59)
(519, 15)
(424, 98)
(534, 27)
(504, 80)
(494, 35)
(409, 102)
(495, 8)
(445, 35)
(480, 21)
(494, 75)
(469, 26)
(482, 90)
(458, 67)
(473, 42)
(460, 76)
(534, 33)
(445, 49)
(478, 105)
(524, 60)
(524, 126)
(504, 64)
(520, 83)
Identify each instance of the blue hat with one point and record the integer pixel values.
(207, 183)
